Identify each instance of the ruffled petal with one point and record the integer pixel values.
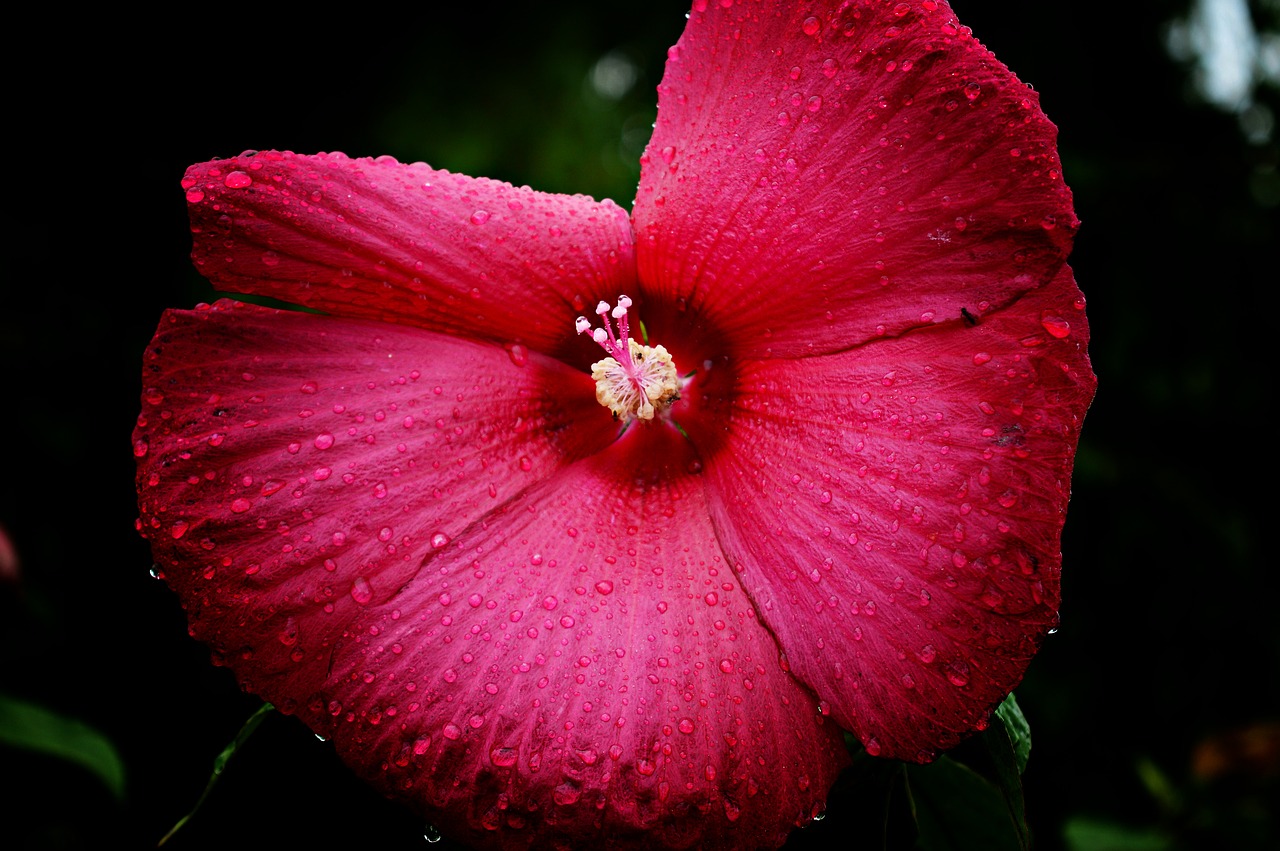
(578, 669)
(817, 179)
(378, 239)
(895, 512)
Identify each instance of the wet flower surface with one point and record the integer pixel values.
(538, 620)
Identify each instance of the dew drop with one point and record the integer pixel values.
(519, 354)
(503, 757)
(237, 180)
(567, 793)
(1055, 325)
(361, 591)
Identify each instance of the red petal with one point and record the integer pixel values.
(896, 511)
(282, 455)
(377, 239)
(819, 179)
(579, 668)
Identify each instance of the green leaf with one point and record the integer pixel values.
(1091, 834)
(1015, 724)
(220, 764)
(957, 809)
(32, 727)
(1008, 745)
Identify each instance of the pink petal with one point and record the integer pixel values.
(377, 239)
(289, 460)
(895, 512)
(819, 179)
(577, 666)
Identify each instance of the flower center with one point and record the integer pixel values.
(635, 380)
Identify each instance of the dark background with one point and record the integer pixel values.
(1169, 651)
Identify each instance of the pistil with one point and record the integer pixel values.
(635, 380)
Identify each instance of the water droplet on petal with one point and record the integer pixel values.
(237, 180)
(361, 590)
(567, 793)
(1055, 325)
(503, 756)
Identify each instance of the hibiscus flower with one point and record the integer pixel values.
(815, 482)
